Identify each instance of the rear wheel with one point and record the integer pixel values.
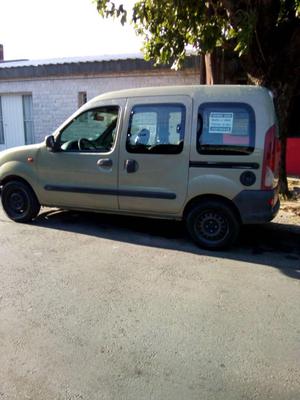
(212, 224)
(19, 201)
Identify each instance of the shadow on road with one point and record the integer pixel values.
(275, 245)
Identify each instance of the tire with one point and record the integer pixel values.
(19, 201)
(212, 224)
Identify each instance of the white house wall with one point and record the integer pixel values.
(55, 99)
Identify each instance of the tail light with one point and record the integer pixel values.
(270, 171)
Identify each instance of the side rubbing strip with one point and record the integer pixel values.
(73, 189)
(150, 195)
(221, 164)
(113, 192)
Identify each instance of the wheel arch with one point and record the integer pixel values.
(18, 178)
(192, 202)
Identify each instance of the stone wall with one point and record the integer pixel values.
(56, 99)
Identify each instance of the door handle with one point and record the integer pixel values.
(105, 163)
(131, 166)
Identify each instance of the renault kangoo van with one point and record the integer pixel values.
(208, 155)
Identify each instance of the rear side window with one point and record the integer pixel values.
(226, 129)
(156, 128)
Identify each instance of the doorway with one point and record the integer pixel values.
(16, 121)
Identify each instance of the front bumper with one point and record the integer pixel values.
(257, 206)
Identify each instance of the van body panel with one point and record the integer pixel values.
(226, 181)
(161, 179)
(19, 169)
(209, 183)
(79, 183)
(14, 163)
(75, 179)
(258, 99)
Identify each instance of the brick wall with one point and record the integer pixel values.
(54, 100)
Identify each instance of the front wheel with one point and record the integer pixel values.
(212, 224)
(19, 201)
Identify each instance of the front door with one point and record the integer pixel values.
(83, 172)
(154, 155)
(11, 122)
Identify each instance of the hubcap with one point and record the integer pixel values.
(212, 226)
(17, 202)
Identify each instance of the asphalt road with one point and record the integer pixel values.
(100, 307)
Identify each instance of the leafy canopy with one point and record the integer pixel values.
(168, 27)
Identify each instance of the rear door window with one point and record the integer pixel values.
(226, 129)
(156, 128)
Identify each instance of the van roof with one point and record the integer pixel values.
(221, 91)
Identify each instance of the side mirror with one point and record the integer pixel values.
(50, 143)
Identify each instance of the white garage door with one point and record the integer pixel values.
(15, 129)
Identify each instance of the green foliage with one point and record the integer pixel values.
(297, 7)
(107, 8)
(168, 27)
(244, 34)
(288, 8)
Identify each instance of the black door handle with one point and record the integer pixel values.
(131, 166)
(105, 163)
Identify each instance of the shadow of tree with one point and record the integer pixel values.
(274, 245)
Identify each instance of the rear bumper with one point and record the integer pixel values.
(257, 206)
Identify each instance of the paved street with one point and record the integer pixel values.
(113, 308)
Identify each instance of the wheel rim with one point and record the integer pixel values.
(17, 203)
(211, 226)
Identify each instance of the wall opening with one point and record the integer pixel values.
(82, 98)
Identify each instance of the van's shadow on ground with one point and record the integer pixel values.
(273, 244)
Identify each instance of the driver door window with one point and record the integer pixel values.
(92, 131)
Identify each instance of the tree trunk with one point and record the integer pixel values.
(283, 182)
(202, 70)
(209, 69)
(214, 68)
(283, 95)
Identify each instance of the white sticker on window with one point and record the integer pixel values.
(220, 122)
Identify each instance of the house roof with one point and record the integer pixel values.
(90, 65)
(69, 60)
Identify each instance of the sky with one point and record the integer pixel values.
(37, 29)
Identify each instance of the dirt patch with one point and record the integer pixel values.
(288, 216)
(294, 187)
(290, 209)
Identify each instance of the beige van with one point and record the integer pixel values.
(206, 154)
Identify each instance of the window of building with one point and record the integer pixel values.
(156, 128)
(226, 128)
(82, 98)
(28, 119)
(2, 141)
(93, 130)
